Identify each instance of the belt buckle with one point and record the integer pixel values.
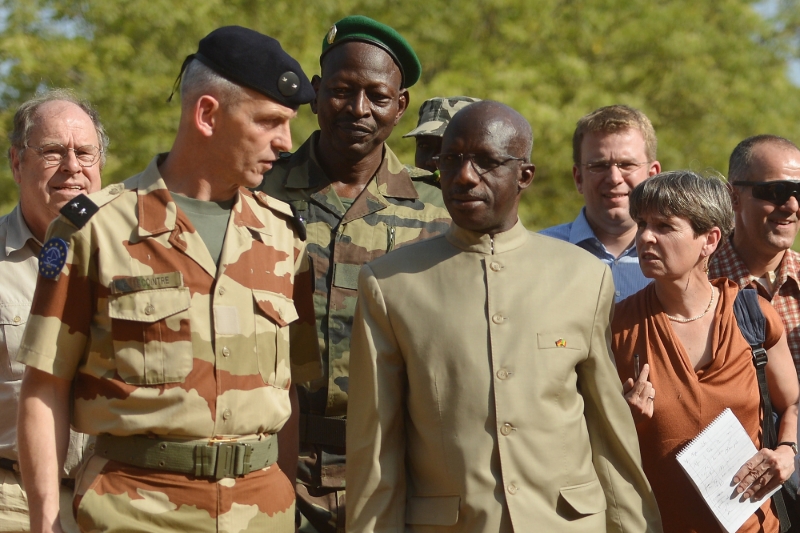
(233, 459)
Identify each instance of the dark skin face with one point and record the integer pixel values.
(359, 102)
(486, 203)
(427, 147)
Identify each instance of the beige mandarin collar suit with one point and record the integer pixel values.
(482, 394)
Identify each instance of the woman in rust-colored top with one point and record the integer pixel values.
(694, 360)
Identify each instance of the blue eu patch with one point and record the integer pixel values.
(52, 258)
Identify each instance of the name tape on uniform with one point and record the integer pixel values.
(143, 283)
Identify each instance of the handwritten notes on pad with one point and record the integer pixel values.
(711, 459)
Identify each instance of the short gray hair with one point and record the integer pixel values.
(24, 119)
(702, 200)
(198, 79)
(742, 155)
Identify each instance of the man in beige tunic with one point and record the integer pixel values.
(482, 395)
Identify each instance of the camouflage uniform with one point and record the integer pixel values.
(393, 210)
(161, 342)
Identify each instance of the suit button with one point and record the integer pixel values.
(221, 291)
(502, 374)
(498, 318)
(512, 489)
(149, 310)
(17, 320)
(226, 414)
(226, 352)
(497, 267)
(506, 429)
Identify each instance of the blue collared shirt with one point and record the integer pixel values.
(628, 277)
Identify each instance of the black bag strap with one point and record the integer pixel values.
(753, 324)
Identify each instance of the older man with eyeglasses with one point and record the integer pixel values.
(613, 149)
(57, 152)
(764, 183)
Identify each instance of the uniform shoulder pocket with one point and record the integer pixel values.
(13, 317)
(274, 313)
(152, 335)
(276, 306)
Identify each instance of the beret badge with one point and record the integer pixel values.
(331, 34)
(288, 83)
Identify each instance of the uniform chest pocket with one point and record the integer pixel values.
(273, 314)
(13, 318)
(152, 335)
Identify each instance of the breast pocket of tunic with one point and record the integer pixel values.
(152, 335)
(273, 314)
(12, 319)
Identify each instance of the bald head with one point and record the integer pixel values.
(506, 129)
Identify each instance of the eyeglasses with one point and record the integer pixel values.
(625, 167)
(54, 153)
(481, 163)
(776, 192)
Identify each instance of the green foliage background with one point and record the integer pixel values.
(707, 72)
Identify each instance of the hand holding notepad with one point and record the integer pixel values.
(712, 459)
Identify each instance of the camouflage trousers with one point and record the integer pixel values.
(320, 510)
(14, 506)
(114, 497)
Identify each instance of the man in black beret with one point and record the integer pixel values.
(172, 312)
(357, 202)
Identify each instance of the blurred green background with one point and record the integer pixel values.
(708, 73)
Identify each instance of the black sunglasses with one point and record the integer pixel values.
(776, 192)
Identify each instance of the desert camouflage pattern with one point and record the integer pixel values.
(393, 210)
(436, 113)
(159, 341)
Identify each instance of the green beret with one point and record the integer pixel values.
(364, 29)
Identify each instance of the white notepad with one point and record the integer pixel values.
(711, 459)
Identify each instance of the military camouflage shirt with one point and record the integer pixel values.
(160, 341)
(393, 210)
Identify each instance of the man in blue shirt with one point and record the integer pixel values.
(613, 149)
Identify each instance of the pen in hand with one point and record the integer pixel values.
(635, 366)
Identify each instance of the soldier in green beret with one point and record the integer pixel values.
(357, 202)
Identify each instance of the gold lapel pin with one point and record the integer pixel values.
(561, 343)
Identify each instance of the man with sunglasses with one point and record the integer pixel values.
(57, 152)
(613, 150)
(483, 396)
(764, 183)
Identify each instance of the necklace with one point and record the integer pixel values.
(698, 317)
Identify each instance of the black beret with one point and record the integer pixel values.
(256, 61)
(365, 29)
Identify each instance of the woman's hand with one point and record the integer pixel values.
(640, 395)
(763, 472)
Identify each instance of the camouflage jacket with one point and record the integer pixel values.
(156, 337)
(393, 210)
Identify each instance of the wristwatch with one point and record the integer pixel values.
(792, 445)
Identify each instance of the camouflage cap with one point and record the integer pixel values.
(436, 113)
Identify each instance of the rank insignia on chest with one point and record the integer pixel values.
(79, 210)
(52, 258)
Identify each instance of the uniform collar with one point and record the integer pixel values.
(18, 233)
(158, 212)
(471, 241)
(392, 178)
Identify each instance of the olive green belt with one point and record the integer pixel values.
(213, 459)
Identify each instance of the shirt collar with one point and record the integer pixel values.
(391, 178)
(158, 212)
(18, 232)
(472, 241)
(727, 255)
